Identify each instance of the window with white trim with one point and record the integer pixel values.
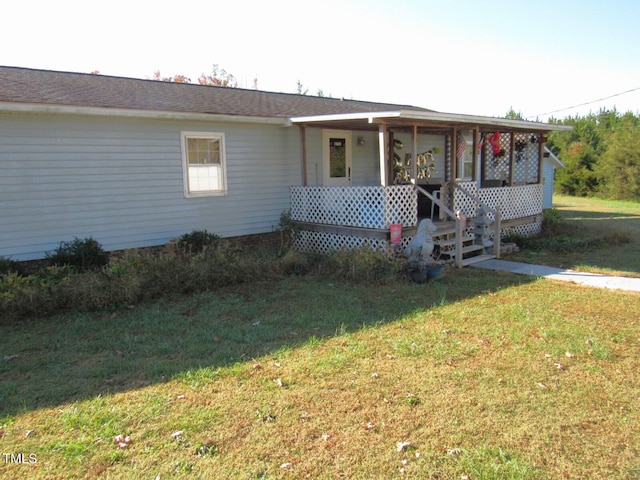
(465, 158)
(203, 164)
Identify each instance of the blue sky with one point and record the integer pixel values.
(475, 57)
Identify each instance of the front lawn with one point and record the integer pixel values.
(476, 375)
(613, 227)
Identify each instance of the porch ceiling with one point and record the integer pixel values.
(427, 122)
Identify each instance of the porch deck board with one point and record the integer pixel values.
(372, 233)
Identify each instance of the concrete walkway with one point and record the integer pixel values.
(589, 279)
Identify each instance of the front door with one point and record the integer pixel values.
(336, 157)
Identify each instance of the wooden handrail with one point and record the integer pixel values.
(442, 206)
(497, 224)
(456, 217)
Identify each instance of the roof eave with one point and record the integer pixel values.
(553, 158)
(51, 109)
(369, 117)
(433, 117)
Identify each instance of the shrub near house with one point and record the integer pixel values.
(82, 278)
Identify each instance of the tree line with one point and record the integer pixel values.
(601, 155)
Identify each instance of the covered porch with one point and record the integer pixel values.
(420, 164)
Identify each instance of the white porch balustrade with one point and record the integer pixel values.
(332, 218)
(351, 217)
(516, 202)
(365, 207)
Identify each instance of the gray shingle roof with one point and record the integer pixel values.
(23, 85)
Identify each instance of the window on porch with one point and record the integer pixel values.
(465, 156)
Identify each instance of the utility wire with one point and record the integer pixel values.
(584, 104)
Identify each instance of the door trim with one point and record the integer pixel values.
(327, 179)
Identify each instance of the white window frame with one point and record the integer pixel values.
(466, 161)
(222, 169)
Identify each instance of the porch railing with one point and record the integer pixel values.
(454, 216)
(514, 202)
(366, 212)
(491, 211)
(375, 207)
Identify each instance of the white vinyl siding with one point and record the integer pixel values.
(121, 181)
(548, 175)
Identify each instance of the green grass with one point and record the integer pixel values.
(477, 374)
(614, 228)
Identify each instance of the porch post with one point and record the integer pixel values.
(512, 159)
(303, 144)
(475, 156)
(414, 154)
(483, 163)
(540, 158)
(454, 168)
(454, 155)
(391, 157)
(382, 130)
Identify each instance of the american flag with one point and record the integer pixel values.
(462, 146)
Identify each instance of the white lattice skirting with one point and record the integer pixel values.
(320, 242)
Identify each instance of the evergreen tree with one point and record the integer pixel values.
(619, 166)
(600, 155)
(579, 150)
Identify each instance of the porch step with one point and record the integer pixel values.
(478, 258)
(451, 242)
(445, 228)
(466, 250)
(471, 253)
